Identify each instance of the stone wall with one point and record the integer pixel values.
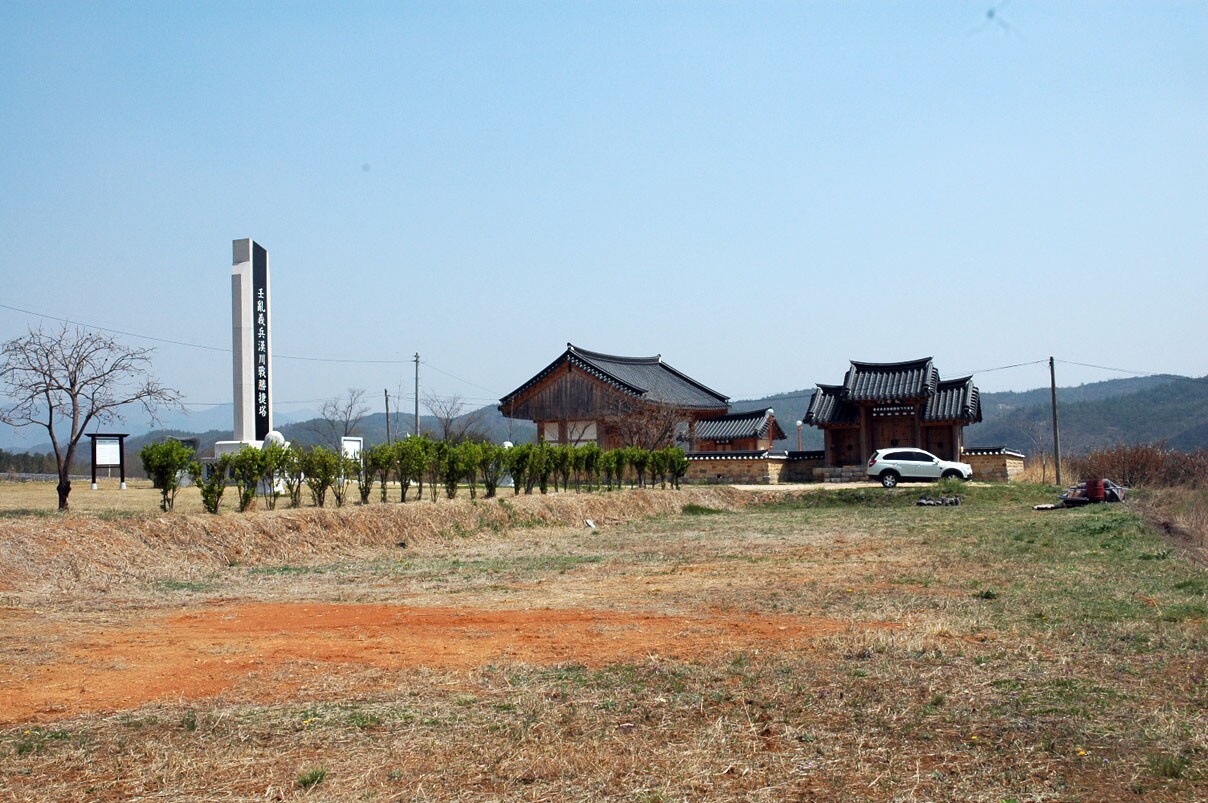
(801, 467)
(1001, 465)
(840, 474)
(752, 468)
(737, 470)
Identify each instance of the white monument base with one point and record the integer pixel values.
(234, 447)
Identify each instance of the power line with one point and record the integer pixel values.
(1002, 368)
(458, 378)
(1198, 380)
(187, 344)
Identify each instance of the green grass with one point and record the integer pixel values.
(286, 571)
(699, 510)
(199, 586)
(312, 777)
(25, 512)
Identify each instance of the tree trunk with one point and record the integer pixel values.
(64, 489)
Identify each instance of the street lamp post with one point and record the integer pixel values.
(799, 423)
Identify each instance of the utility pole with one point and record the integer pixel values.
(387, 394)
(1056, 429)
(417, 394)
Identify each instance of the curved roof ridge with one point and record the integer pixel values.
(899, 364)
(585, 353)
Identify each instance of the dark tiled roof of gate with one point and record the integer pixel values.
(647, 378)
(889, 383)
(954, 400)
(753, 424)
(828, 407)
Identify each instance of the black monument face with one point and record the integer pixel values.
(264, 423)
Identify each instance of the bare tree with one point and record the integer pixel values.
(453, 425)
(341, 416)
(642, 424)
(67, 379)
(1040, 433)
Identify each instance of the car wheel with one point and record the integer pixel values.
(889, 478)
(952, 474)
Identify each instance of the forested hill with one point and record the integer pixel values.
(1154, 409)
(1149, 409)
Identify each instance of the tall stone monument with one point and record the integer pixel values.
(251, 342)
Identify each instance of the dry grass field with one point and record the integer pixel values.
(712, 643)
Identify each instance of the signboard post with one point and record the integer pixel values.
(108, 450)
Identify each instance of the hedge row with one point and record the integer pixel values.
(279, 472)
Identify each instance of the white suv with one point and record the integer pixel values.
(892, 466)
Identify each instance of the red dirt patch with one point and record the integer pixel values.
(274, 649)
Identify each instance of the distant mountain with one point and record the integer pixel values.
(1143, 410)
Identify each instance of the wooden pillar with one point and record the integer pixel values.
(918, 426)
(865, 433)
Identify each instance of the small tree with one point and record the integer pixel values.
(620, 465)
(291, 473)
(437, 455)
(246, 466)
(657, 466)
(349, 469)
(518, 458)
(677, 466)
(469, 454)
(321, 467)
(211, 480)
(68, 379)
(538, 470)
(164, 463)
(492, 462)
(410, 462)
(563, 462)
(608, 466)
(273, 459)
(452, 469)
(377, 461)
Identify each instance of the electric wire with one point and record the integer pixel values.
(354, 361)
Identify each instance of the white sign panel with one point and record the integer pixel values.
(108, 452)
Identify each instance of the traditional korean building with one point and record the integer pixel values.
(588, 397)
(756, 430)
(880, 405)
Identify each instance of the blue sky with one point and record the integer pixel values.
(760, 192)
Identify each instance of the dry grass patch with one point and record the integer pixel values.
(841, 645)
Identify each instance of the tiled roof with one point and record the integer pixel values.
(890, 383)
(955, 400)
(647, 378)
(753, 424)
(829, 407)
(992, 450)
(757, 454)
